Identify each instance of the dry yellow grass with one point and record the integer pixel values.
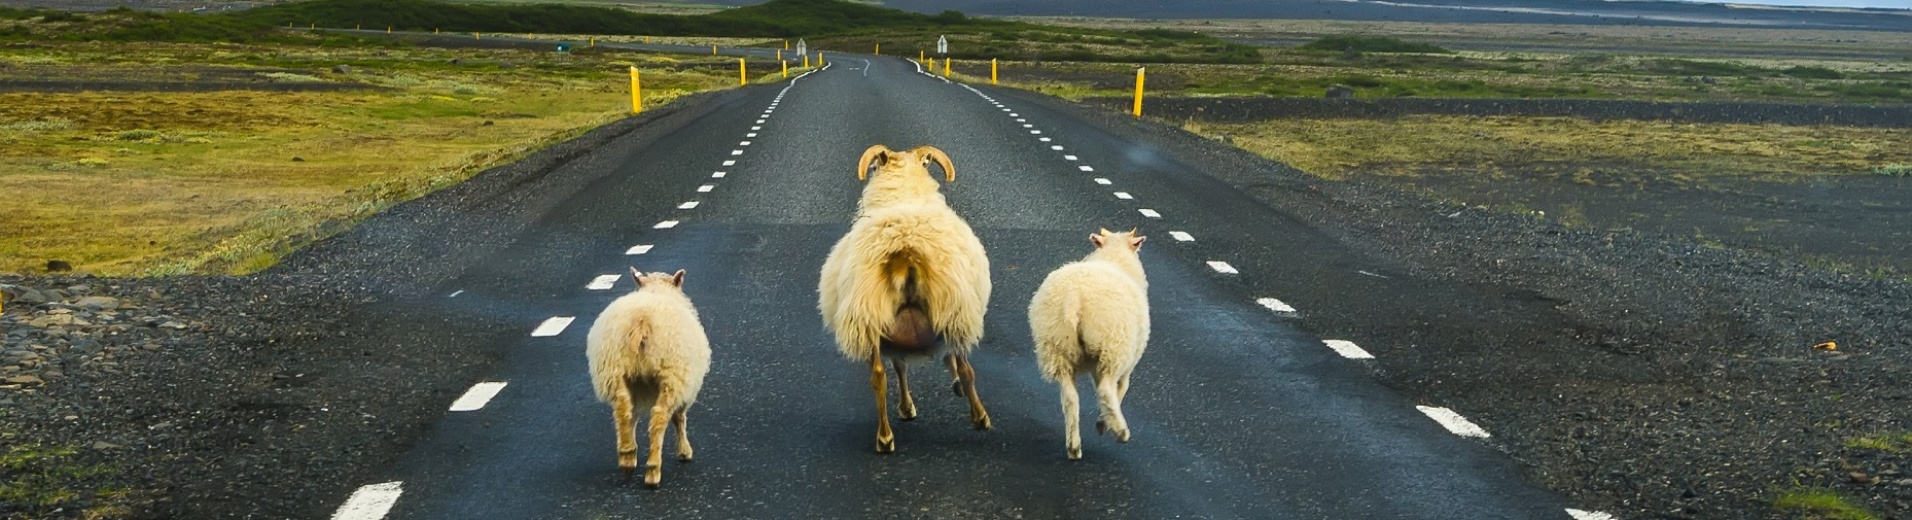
(1332, 148)
(126, 183)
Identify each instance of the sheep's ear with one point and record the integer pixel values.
(678, 279)
(1103, 231)
(1096, 239)
(875, 153)
(637, 276)
(1135, 244)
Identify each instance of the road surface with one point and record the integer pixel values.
(1236, 413)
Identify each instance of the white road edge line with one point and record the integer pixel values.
(1149, 213)
(1453, 422)
(1181, 236)
(1347, 349)
(370, 502)
(1275, 305)
(638, 249)
(475, 398)
(454, 294)
(687, 205)
(552, 326)
(1222, 267)
(1578, 514)
(602, 282)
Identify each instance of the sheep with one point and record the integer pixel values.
(1092, 317)
(647, 349)
(910, 281)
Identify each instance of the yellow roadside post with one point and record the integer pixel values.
(647, 39)
(388, 29)
(806, 60)
(358, 27)
(992, 71)
(879, 50)
(919, 55)
(945, 67)
(786, 45)
(786, 66)
(743, 78)
(637, 90)
(594, 41)
(315, 25)
(1140, 73)
(779, 54)
(713, 49)
(477, 36)
(434, 30)
(819, 58)
(931, 67)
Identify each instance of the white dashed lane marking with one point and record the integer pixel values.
(1124, 195)
(1181, 236)
(638, 249)
(1055, 147)
(1070, 157)
(602, 282)
(665, 224)
(552, 326)
(706, 188)
(1589, 515)
(1085, 168)
(756, 128)
(752, 134)
(730, 163)
(717, 175)
(735, 152)
(1045, 139)
(370, 502)
(1035, 131)
(454, 294)
(1453, 422)
(1102, 181)
(1347, 349)
(687, 205)
(1275, 305)
(1222, 267)
(743, 143)
(475, 398)
(1150, 213)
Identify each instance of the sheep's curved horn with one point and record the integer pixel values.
(942, 159)
(863, 165)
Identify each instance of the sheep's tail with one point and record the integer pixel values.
(914, 257)
(615, 344)
(1055, 323)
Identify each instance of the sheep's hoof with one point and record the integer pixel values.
(1122, 436)
(627, 462)
(1101, 427)
(957, 386)
(684, 456)
(886, 445)
(1075, 453)
(906, 413)
(652, 477)
(981, 423)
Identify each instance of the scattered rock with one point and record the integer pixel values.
(1339, 91)
(28, 379)
(341, 69)
(57, 266)
(173, 325)
(98, 302)
(103, 445)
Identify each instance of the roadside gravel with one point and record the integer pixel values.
(1645, 376)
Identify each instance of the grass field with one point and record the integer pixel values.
(159, 183)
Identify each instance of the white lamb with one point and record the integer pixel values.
(647, 349)
(1092, 317)
(909, 281)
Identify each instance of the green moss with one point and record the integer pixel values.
(1822, 504)
(38, 478)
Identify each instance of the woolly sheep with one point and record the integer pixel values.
(910, 281)
(647, 349)
(1092, 317)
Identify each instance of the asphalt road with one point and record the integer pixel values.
(1235, 412)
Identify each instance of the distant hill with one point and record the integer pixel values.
(1469, 11)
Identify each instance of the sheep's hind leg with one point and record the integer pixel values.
(955, 374)
(678, 420)
(1071, 419)
(885, 439)
(626, 429)
(660, 418)
(905, 410)
(978, 417)
(1109, 399)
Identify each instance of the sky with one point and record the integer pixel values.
(1901, 4)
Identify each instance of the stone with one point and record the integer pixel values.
(99, 302)
(55, 266)
(341, 69)
(51, 320)
(103, 445)
(31, 297)
(173, 325)
(28, 379)
(79, 289)
(1339, 91)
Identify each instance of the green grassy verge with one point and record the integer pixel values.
(1821, 504)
